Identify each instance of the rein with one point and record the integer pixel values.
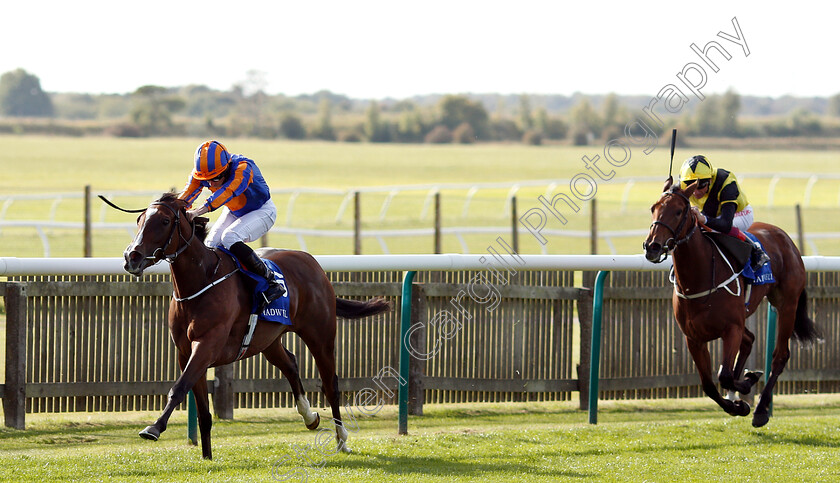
(206, 288)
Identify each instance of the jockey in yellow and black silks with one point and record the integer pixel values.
(719, 202)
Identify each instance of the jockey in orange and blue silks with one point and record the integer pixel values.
(238, 187)
(719, 202)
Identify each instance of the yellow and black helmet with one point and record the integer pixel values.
(695, 168)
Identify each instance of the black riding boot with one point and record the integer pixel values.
(759, 257)
(253, 263)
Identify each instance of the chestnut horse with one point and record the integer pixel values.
(210, 310)
(709, 299)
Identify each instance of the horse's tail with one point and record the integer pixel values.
(356, 309)
(804, 329)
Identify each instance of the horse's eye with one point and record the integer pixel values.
(166, 221)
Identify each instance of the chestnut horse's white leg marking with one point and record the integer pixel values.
(730, 395)
(309, 416)
(341, 436)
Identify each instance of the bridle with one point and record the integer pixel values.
(672, 243)
(160, 252)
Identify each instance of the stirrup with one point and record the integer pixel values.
(762, 260)
(273, 292)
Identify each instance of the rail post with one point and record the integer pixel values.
(405, 324)
(417, 340)
(223, 396)
(192, 419)
(770, 346)
(595, 352)
(88, 236)
(14, 397)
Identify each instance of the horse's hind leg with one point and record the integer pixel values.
(780, 357)
(323, 350)
(284, 360)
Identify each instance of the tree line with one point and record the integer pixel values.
(246, 110)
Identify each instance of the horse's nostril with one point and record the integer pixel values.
(133, 257)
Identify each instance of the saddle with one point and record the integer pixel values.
(278, 310)
(738, 252)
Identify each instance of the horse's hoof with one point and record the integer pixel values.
(753, 376)
(314, 424)
(760, 419)
(738, 408)
(150, 433)
(343, 447)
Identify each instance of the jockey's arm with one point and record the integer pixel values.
(198, 211)
(723, 222)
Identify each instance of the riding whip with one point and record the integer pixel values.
(670, 180)
(112, 205)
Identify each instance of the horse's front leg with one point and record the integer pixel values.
(732, 339)
(194, 368)
(744, 386)
(703, 362)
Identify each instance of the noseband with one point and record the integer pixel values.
(160, 252)
(672, 243)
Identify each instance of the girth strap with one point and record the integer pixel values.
(724, 285)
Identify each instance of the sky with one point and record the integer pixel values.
(378, 49)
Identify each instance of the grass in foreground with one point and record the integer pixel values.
(674, 440)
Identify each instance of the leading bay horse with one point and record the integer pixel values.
(210, 310)
(709, 299)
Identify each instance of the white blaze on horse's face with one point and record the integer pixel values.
(136, 258)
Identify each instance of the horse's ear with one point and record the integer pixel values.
(668, 183)
(690, 190)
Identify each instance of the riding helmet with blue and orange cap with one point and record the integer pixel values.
(211, 160)
(695, 168)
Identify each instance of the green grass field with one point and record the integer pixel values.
(685, 440)
(108, 165)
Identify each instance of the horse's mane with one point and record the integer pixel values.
(168, 196)
(200, 221)
(201, 227)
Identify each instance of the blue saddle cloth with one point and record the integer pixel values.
(277, 310)
(763, 275)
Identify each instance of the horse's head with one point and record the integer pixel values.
(159, 234)
(673, 223)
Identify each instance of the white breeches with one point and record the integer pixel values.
(743, 219)
(230, 229)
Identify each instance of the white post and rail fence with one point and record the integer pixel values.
(431, 210)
